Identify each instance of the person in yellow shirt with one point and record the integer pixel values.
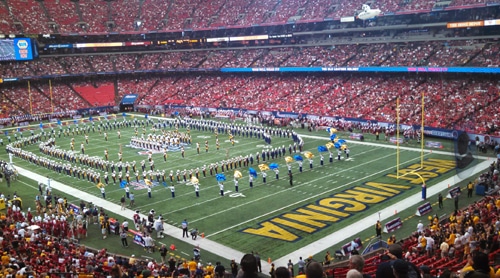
(301, 275)
(391, 240)
(435, 220)
(192, 265)
(451, 238)
(132, 260)
(475, 219)
(210, 269)
(422, 242)
(453, 218)
(5, 259)
(467, 251)
(470, 189)
(185, 265)
(328, 258)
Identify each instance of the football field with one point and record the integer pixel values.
(274, 218)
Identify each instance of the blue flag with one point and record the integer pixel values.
(252, 172)
(220, 177)
(322, 149)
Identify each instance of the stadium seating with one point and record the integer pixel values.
(30, 15)
(153, 14)
(370, 97)
(96, 17)
(124, 15)
(6, 22)
(64, 14)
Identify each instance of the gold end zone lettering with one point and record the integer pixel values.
(334, 203)
(313, 217)
(271, 230)
(376, 192)
(388, 187)
(294, 225)
(310, 217)
(439, 166)
(411, 178)
(361, 197)
(416, 179)
(329, 211)
(444, 163)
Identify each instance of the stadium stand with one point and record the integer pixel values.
(65, 16)
(431, 53)
(96, 16)
(29, 15)
(326, 96)
(471, 102)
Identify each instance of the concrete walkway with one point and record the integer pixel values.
(342, 235)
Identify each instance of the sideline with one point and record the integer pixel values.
(170, 230)
(390, 146)
(313, 248)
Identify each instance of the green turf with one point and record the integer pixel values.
(228, 219)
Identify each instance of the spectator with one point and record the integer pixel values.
(400, 268)
(220, 270)
(356, 265)
(385, 269)
(314, 270)
(248, 266)
(282, 272)
(302, 265)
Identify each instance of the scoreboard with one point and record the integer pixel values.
(19, 49)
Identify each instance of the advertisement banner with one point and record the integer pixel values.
(433, 144)
(393, 225)
(394, 140)
(456, 191)
(424, 209)
(357, 136)
(138, 239)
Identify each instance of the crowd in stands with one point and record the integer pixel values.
(45, 243)
(432, 54)
(153, 14)
(65, 16)
(471, 103)
(96, 15)
(445, 246)
(435, 54)
(63, 13)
